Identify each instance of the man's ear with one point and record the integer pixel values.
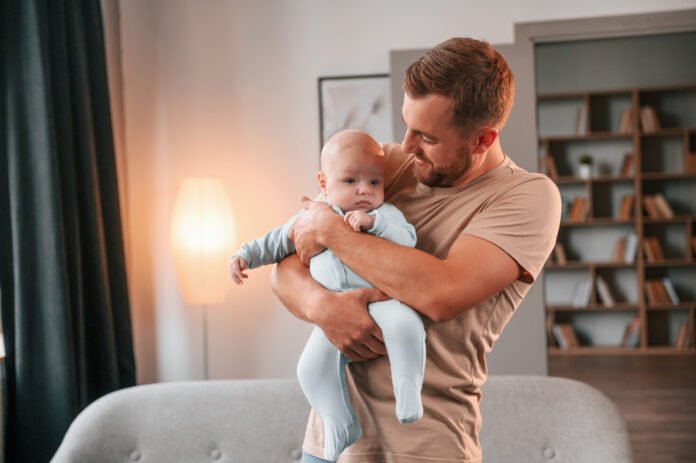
(321, 179)
(486, 138)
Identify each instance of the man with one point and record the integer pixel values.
(485, 228)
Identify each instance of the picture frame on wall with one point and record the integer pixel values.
(360, 102)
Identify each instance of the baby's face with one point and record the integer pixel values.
(355, 181)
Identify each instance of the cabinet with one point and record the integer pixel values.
(623, 276)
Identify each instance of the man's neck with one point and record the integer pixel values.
(491, 159)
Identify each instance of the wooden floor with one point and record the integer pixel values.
(656, 395)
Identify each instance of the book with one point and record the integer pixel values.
(626, 207)
(619, 252)
(657, 292)
(565, 335)
(631, 335)
(690, 163)
(627, 165)
(551, 170)
(650, 207)
(671, 292)
(690, 337)
(649, 120)
(549, 331)
(652, 250)
(581, 123)
(559, 254)
(663, 206)
(578, 209)
(626, 122)
(631, 247)
(582, 293)
(647, 250)
(604, 293)
(680, 342)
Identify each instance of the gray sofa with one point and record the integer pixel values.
(525, 419)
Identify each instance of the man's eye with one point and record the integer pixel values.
(428, 141)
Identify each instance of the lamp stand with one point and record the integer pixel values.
(205, 341)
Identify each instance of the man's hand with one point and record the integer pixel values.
(347, 324)
(359, 220)
(237, 267)
(306, 230)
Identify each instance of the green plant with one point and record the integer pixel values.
(586, 159)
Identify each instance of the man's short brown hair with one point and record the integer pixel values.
(473, 74)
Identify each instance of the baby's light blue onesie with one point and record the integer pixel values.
(321, 369)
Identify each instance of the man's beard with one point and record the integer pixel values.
(444, 175)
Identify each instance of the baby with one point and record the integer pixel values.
(352, 183)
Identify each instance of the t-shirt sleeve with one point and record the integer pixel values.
(523, 221)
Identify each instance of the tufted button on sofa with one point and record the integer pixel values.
(525, 419)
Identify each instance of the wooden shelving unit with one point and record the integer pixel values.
(664, 164)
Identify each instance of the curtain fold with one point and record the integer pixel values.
(64, 293)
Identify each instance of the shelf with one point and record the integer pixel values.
(598, 221)
(610, 350)
(593, 308)
(675, 219)
(663, 161)
(574, 265)
(586, 137)
(671, 263)
(652, 176)
(666, 132)
(567, 180)
(681, 306)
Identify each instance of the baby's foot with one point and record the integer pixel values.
(339, 436)
(409, 407)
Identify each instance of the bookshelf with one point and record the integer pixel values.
(622, 279)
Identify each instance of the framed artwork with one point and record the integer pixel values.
(360, 102)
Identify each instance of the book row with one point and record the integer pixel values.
(624, 250)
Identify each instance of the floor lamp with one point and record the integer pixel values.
(202, 238)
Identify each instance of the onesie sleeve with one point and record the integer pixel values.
(270, 248)
(391, 224)
(523, 221)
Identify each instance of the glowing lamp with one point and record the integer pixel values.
(202, 236)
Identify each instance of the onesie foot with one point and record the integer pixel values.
(338, 436)
(409, 407)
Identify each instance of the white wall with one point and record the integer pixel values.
(229, 88)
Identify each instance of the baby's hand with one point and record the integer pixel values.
(359, 220)
(237, 267)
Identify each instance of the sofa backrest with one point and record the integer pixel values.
(525, 419)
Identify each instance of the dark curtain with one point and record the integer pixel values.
(65, 308)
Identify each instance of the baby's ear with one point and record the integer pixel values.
(321, 179)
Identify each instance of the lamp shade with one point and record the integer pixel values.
(202, 237)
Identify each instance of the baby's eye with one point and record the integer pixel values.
(350, 180)
(374, 181)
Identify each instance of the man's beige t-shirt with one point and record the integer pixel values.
(519, 212)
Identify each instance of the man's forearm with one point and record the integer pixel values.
(402, 273)
(440, 289)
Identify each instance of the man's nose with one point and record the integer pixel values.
(408, 143)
